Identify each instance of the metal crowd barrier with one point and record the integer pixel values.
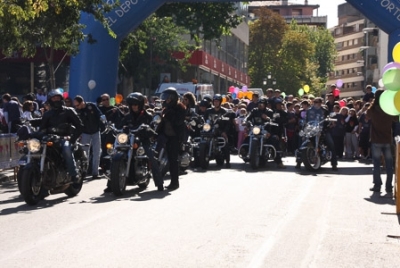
(9, 154)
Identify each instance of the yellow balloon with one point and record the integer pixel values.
(249, 95)
(240, 95)
(396, 52)
(397, 100)
(306, 88)
(223, 99)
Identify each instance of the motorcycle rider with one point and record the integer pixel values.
(217, 109)
(137, 116)
(261, 115)
(173, 127)
(58, 120)
(318, 113)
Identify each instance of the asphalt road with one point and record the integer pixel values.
(220, 218)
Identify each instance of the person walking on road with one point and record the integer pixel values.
(381, 143)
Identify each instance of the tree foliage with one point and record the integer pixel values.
(49, 24)
(149, 49)
(208, 21)
(296, 55)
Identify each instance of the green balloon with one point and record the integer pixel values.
(301, 92)
(112, 101)
(386, 101)
(391, 79)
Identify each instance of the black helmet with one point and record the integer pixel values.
(263, 101)
(170, 94)
(208, 98)
(55, 104)
(217, 97)
(135, 98)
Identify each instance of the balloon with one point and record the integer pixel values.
(60, 89)
(396, 52)
(336, 92)
(223, 99)
(283, 94)
(91, 84)
(373, 89)
(240, 95)
(386, 102)
(397, 100)
(112, 101)
(301, 92)
(236, 90)
(391, 65)
(391, 79)
(234, 95)
(381, 83)
(339, 83)
(306, 88)
(244, 88)
(231, 89)
(65, 95)
(249, 95)
(342, 103)
(118, 98)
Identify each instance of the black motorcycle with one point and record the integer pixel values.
(129, 162)
(314, 152)
(45, 168)
(211, 144)
(256, 150)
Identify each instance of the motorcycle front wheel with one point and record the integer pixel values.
(204, 161)
(255, 154)
(311, 159)
(31, 185)
(118, 177)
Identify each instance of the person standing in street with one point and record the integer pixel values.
(92, 119)
(12, 113)
(381, 143)
(173, 127)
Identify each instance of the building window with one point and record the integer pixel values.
(356, 41)
(297, 12)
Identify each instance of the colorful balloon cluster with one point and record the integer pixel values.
(390, 98)
(303, 90)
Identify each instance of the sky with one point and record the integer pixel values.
(327, 8)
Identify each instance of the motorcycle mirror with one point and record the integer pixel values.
(193, 123)
(332, 114)
(103, 119)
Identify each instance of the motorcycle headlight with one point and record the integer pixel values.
(206, 127)
(157, 119)
(256, 130)
(140, 151)
(122, 138)
(33, 145)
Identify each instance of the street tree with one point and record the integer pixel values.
(51, 25)
(266, 40)
(151, 48)
(208, 21)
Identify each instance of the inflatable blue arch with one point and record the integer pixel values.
(99, 61)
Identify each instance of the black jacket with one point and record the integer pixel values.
(173, 122)
(90, 116)
(59, 122)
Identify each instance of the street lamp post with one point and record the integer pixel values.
(269, 80)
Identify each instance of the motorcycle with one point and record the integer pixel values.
(185, 155)
(258, 151)
(45, 168)
(129, 162)
(210, 144)
(314, 152)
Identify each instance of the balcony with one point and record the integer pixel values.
(307, 19)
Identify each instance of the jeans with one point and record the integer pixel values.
(95, 143)
(377, 150)
(172, 147)
(331, 146)
(69, 158)
(155, 168)
(351, 145)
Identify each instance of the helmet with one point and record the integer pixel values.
(170, 94)
(217, 97)
(263, 101)
(208, 98)
(55, 104)
(135, 98)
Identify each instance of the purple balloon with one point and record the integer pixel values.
(339, 83)
(236, 90)
(390, 65)
(244, 88)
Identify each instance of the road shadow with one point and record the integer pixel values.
(24, 208)
(381, 199)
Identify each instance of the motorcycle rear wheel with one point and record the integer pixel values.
(118, 177)
(31, 185)
(311, 162)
